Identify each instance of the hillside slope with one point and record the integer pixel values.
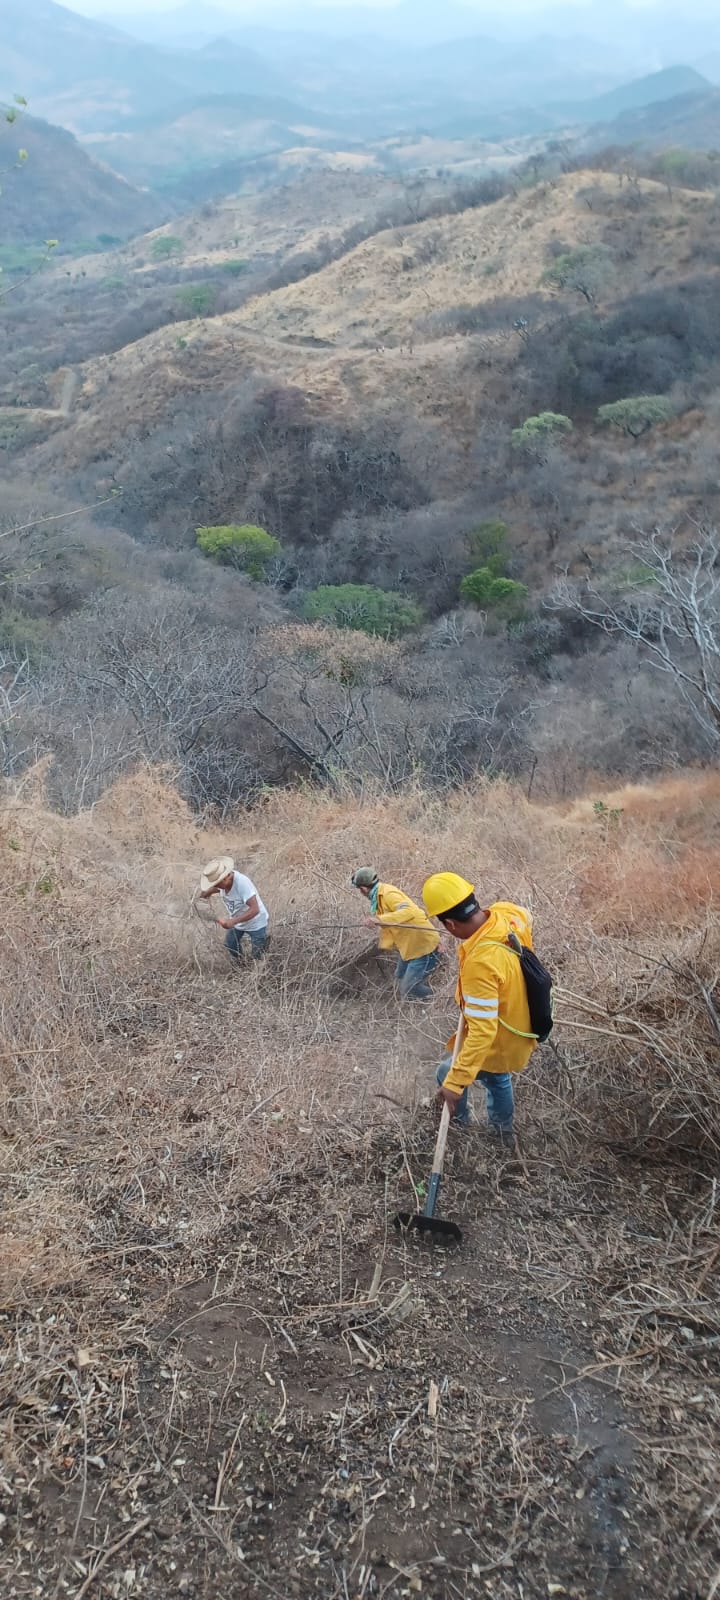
(59, 192)
(687, 121)
(400, 290)
(370, 416)
(388, 288)
(235, 1376)
(264, 229)
(206, 132)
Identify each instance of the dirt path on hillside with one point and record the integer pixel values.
(68, 392)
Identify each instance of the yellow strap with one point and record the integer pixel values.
(517, 1031)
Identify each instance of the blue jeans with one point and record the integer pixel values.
(500, 1099)
(234, 938)
(411, 976)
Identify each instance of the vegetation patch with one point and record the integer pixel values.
(240, 545)
(362, 606)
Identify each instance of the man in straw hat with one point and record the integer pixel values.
(244, 910)
(404, 925)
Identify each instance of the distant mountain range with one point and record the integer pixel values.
(85, 74)
(653, 37)
(223, 101)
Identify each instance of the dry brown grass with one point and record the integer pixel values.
(154, 1106)
(132, 1013)
(264, 227)
(385, 362)
(389, 285)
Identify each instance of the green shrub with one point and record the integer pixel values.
(240, 545)
(504, 597)
(538, 432)
(362, 606)
(235, 267)
(166, 246)
(196, 299)
(637, 414)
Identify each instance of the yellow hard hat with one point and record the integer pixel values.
(443, 891)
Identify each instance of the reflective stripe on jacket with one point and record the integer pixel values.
(491, 992)
(395, 911)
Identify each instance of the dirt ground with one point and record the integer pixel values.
(341, 1411)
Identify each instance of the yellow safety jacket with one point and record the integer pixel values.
(395, 910)
(492, 996)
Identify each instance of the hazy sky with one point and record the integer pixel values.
(476, 9)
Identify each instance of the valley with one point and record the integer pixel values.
(366, 411)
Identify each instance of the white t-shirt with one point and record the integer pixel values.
(243, 890)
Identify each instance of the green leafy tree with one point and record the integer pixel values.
(586, 270)
(196, 299)
(166, 246)
(240, 545)
(505, 598)
(487, 543)
(538, 432)
(636, 415)
(362, 606)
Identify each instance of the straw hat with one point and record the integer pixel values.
(215, 871)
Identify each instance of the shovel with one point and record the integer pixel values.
(425, 1221)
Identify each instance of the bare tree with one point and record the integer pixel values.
(15, 693)
(154, 678)
(670, 609)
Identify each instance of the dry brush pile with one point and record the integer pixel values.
(204, 1311)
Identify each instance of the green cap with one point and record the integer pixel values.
(364, 878)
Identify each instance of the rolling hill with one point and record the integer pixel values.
(655, 88)
(59, 192)
(413, 333)
(688, 121)
(161, 147)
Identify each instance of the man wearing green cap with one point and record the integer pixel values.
(404, 926)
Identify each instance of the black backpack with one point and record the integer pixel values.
(539, 986)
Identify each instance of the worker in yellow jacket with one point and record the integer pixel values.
(491, 993)
(404, 925)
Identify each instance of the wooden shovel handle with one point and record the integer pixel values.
(441, 1140)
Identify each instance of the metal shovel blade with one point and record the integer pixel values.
(449, 1231)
